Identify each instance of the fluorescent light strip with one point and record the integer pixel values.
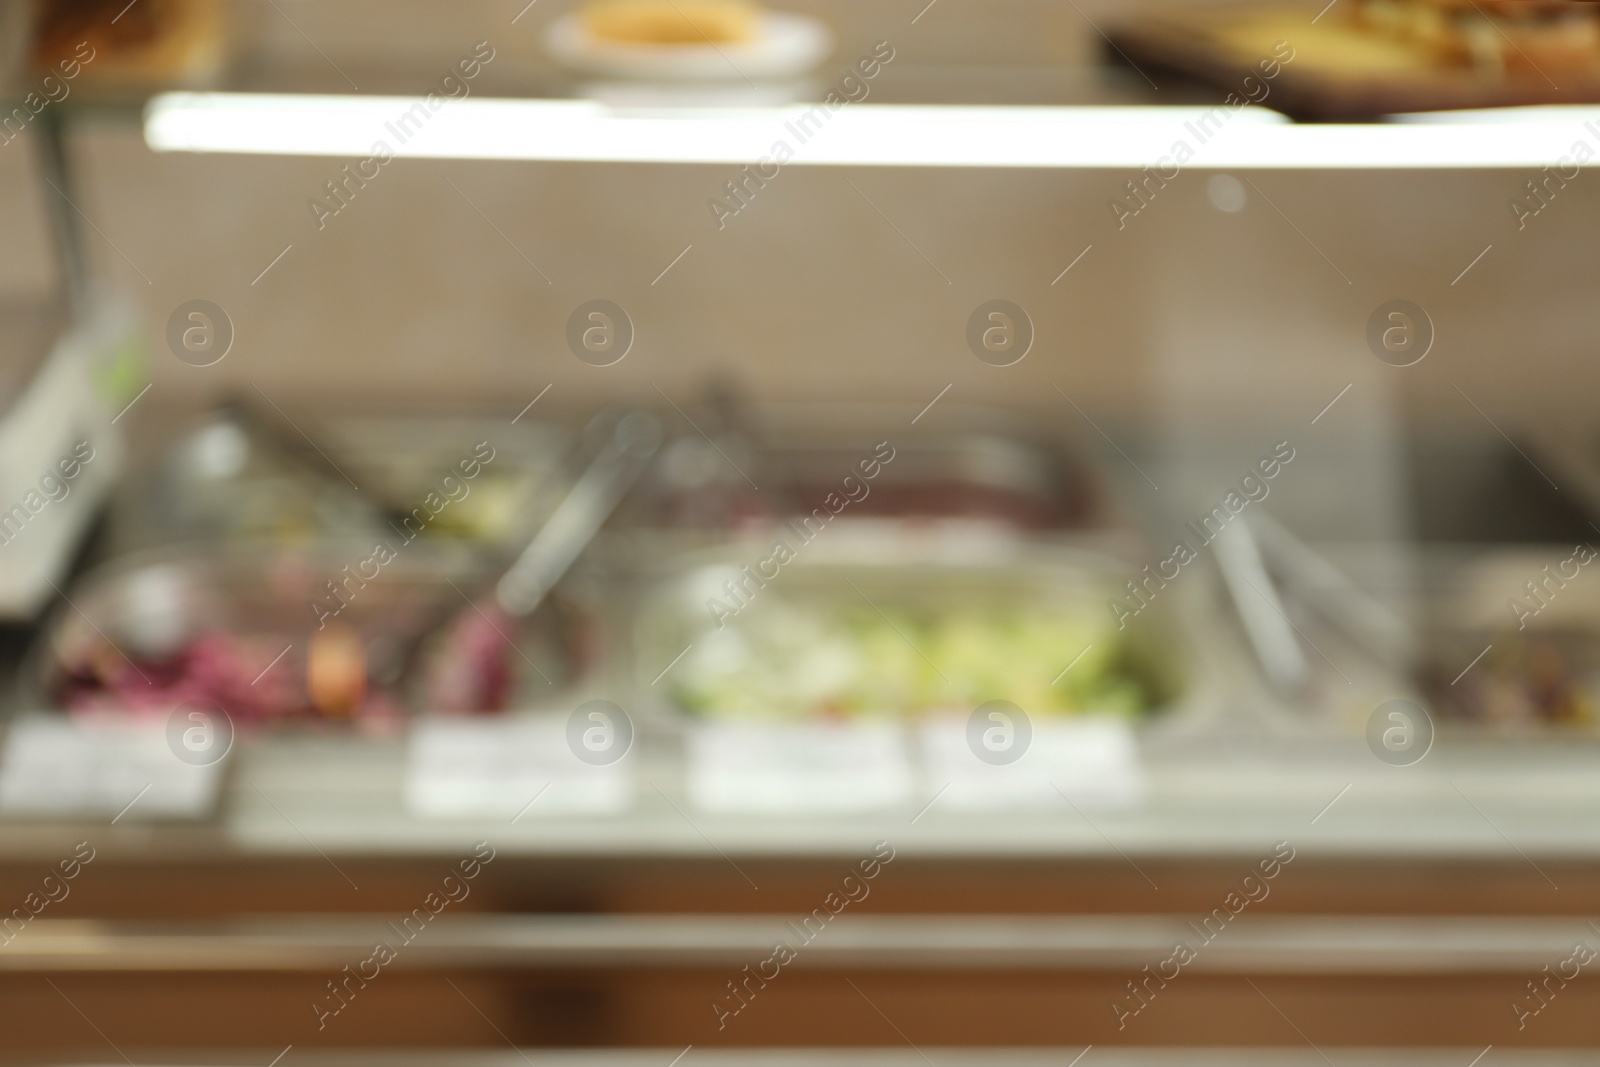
(857, 134)
(1532, 115)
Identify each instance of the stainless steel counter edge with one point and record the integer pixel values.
(1517, 802)
(1268, 944)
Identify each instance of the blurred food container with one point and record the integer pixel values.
(251, 472)
(336, 632)
(751, 471)
(1512, 639)
(1495, 36)
(148, 44)
(872, 627)
(239, 476)
(1364, 59)
(1545, 678)
(399, 458)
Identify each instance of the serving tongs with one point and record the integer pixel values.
(623, 445)
(1264, 566)
(628, 444)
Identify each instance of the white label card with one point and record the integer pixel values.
(458, 768)
(739, 768)
(1091, 760)
(114, 767)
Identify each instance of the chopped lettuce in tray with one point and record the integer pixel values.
(791, 660)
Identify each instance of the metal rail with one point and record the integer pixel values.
(1249, 944)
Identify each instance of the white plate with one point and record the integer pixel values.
(785, 46)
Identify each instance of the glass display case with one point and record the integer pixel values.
(927, 532)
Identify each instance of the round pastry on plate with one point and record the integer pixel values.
(687, 40)
(655, 22)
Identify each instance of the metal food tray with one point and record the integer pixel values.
(144, 606)
(885, 571)
(1484, 667)
(783, 461)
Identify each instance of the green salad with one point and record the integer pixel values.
(789, 660)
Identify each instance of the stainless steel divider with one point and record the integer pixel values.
(1397, 945)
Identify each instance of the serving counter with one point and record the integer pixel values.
(1404, 906)
(292, 797)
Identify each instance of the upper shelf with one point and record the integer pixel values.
(946, 98)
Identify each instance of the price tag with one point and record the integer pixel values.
(797, 767)
(1085, 760)
(493, 768)
(115, 767)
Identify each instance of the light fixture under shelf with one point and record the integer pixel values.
(851, 135)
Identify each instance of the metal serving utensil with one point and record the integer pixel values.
(468, 678)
